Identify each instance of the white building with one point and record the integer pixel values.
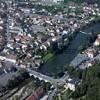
(56, 1)
(91, 53)
(71, 84)
(97, 41)
(90, 63)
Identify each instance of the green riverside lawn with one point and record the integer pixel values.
(47, 57)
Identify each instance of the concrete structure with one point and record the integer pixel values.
(91, 53)
(71, 84)
(53, 81)
(56, 1)
(97, 41)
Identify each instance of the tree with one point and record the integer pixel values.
(81, 1)
(55, 47)
(82, 48)
(90, 85)
(22, 75)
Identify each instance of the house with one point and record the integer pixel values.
(1, 22)
(91, 53)
(87, 64)
(16, 30)
(45, 97)
(97, 41)
(71, 84)
(90, 63)
(10, 45)
(31, 97)
(37, 94)
(55, 1)
(43, 47)
(1, 28)
(65, 32)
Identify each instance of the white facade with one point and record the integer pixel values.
(71, 86)
(57, 0)
(53, 1)
(89, 64)
(90, 55)
(97, 42)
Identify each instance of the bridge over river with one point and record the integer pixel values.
(46, 78)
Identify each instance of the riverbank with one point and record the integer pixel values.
(47, 57)
(58, 61)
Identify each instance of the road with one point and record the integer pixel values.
(52, 94)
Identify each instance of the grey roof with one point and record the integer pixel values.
(78, 60)
(38, 28)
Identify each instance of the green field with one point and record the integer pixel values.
(47, 57)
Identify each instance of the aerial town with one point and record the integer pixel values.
(49, 50)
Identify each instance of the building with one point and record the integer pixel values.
(71, 84)
(55, 1)
(91, 53)
(97, 41)
(36, 95)
(90, 63)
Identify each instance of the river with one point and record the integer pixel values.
(58, 61)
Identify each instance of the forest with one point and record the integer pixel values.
(81, 1)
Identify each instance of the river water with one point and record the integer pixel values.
(58, 61)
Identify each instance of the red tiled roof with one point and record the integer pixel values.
(37, 94)
(31, 97)
(22, 38)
